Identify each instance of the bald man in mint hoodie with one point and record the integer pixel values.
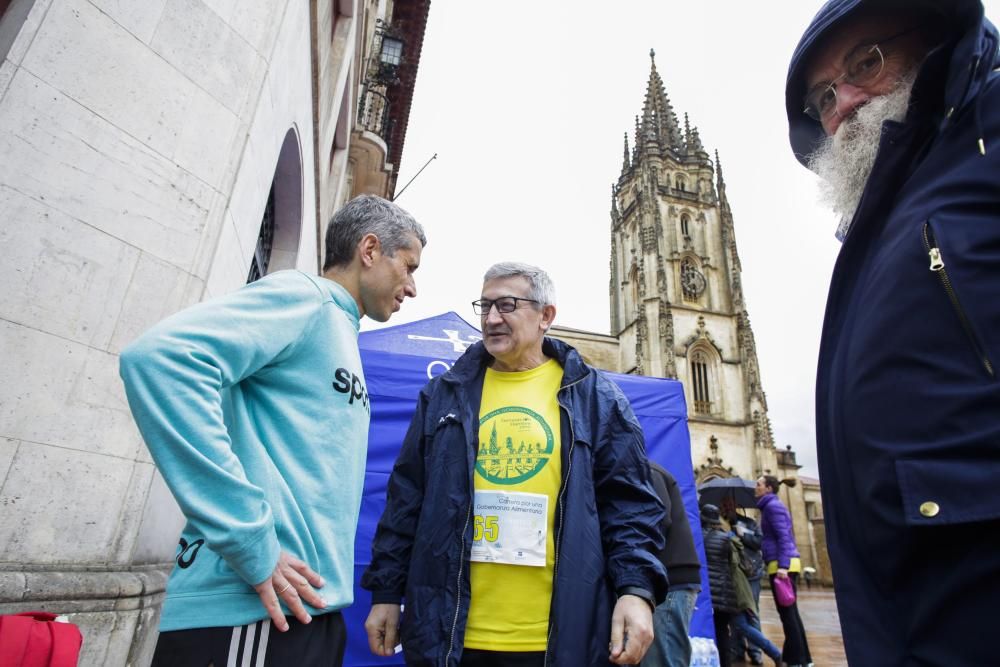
(255, 409)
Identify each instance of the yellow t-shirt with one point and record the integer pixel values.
(517, 479)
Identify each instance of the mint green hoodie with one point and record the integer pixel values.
(255, 410)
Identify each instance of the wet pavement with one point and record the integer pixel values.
(819, 615)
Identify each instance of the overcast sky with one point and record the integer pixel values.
(525, 104)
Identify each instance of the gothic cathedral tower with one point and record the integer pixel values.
(677, 307)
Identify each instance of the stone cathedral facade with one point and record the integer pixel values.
(677, 306)
(678, 309)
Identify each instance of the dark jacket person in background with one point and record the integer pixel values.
(896, 106)
(671, 645)
(719, 554)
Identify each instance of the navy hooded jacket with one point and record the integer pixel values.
(607, 516)
(907, 394)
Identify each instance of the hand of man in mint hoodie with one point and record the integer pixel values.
(292, 581)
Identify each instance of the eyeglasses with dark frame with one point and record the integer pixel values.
(505, 304)
(863, 66)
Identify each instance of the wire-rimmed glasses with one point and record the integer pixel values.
(862, 66)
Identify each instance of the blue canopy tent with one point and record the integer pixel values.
(398, 362)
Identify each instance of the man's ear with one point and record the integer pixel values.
(368, 246)
(548, 314)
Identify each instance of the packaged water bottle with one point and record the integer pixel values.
(698, 654)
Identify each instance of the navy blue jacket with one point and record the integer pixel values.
(907, 394)
(607, 516)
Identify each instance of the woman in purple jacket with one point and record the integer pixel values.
(782, 559)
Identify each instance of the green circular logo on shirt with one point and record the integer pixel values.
(517, 450)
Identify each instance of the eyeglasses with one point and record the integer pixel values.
(505, 304)
(863, 66)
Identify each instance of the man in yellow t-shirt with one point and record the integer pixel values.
(516, 484)
(520, 522)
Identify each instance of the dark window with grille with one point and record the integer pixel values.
(265, 241)
(699, 382)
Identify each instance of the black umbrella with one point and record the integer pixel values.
(740, 490)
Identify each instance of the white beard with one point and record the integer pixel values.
(844, 161)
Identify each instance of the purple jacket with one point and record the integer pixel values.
(776, 524)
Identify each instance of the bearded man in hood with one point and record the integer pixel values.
(896, 106)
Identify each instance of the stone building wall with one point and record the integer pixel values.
(141, 143)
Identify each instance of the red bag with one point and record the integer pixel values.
(783, 591)
(36, 639)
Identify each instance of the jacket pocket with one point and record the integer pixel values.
(940, 268)
(940, 493)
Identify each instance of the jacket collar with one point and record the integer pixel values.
(766, 500)
(472, 364)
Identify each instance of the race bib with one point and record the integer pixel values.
(510, 528)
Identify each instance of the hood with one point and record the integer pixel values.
(972, 38)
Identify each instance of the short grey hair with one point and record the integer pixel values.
(368, 214)
(540, 286)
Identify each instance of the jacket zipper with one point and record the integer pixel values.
(937, 266)
(562, 493)
(458, 586)
(461, 569)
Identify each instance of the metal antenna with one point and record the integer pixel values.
(433, 157)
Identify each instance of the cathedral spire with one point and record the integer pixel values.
(648, 107)
(658, 117)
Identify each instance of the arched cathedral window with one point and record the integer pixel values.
(680, 183)
(700, 388)
(686, 225)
